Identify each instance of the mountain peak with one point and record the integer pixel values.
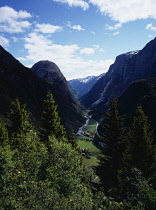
(49, 71)
(82, 85)
(127, 68)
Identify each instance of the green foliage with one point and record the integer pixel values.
(50, 120)
(115, 152)
(103, 202)
(3, 133)
(48, 173)
(141, 138)
(73, 141)
(39, 176)
(63, 168)
(19, 118)
(136, 191)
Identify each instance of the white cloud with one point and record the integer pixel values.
(12, 21)
(116, 33)
(75, 3)
(21, 59)
(114, 27)
(87, 51)
(75, 27)
(15, 39)
(40, 48)
(78, 27)
(96, 46)
(47, 28)
(150, 27)
(150, 36)
(126, 10)
(67, 57)
(4, 42)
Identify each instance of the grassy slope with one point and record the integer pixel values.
(91, 127)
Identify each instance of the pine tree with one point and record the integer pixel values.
(141, 138)
(50, 120)
(19, 118)
(115, 152)
(72, 140)
(3, 134)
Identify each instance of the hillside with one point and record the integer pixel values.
(18, 81)
(127, 68)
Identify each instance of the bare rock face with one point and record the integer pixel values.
(127, 68)
(47, 70)
(51, 73)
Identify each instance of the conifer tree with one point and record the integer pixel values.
(19, 118)
(3, 134)
(50, 120)
(72, 140)
(141, 138)
(115, 149)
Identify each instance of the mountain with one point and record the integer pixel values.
(18, 81)
(140, 92)
(127, 68)
(51, 73)
(82, 85)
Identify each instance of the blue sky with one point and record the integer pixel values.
(83, 37)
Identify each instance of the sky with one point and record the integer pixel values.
(82, 37)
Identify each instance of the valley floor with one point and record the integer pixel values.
(86, 142)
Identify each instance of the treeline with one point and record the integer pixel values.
(43, 169)
(127, 168)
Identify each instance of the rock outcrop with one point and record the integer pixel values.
(127, 68)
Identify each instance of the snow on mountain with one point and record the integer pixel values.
(127, 68)
(82, 85)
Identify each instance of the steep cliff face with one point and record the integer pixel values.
(127, 68)
(17, 81)
(51, 73)
(82, 85)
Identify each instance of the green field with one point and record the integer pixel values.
(82, 144)
(91, 127)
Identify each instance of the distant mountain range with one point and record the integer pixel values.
(17, 81)
(127, 68)
(82, 85)
(132, 78)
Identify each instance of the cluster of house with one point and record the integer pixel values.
(85, 133)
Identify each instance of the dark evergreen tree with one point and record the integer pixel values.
(115, 151)
(19, 126)
(136, 191)
(50, 120)
(141, 139)
(3, 134)
(72, 140)
(19, 118)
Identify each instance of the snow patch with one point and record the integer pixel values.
(102, 94)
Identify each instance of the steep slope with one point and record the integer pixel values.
(19, 81)
(126, 69)
(82, 85)
(51, 73)
(140, 92)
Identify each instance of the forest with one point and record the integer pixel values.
(42, 168)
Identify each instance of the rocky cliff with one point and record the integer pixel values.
(51, 73)
(127, 68)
